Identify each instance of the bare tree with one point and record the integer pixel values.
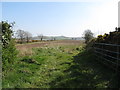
(40, 36)
(21, 35)
(88, 35)
(28, 36)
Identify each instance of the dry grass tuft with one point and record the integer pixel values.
(25, 52)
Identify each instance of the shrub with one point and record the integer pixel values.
(35, 40)
(9, 55)
(9, 52)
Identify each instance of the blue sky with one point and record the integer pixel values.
(53, 18)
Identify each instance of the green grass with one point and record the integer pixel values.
(58, 67)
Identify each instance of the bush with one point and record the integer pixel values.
(9, 52)
(35, 40)
(9, 55)
(112, 38)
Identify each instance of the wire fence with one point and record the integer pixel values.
(108, 54)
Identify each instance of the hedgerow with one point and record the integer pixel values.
(111, 38)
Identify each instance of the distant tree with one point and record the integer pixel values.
(87, 35)
(40, 36)
(21, 35)
(28, 36)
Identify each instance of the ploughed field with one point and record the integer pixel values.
(56, 64)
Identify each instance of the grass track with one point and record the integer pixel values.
(58, 66)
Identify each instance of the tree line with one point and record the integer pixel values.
(25, 36)
(22, 36)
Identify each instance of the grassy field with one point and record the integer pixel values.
(60, 64)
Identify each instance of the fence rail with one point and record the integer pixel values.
(106, 50)
(112, 57)
(108, 44)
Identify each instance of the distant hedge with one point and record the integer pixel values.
(112, 38)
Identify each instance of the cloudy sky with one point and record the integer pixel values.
(66, 18)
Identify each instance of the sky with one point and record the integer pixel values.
(62, 18)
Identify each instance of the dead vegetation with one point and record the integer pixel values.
(26, 49)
